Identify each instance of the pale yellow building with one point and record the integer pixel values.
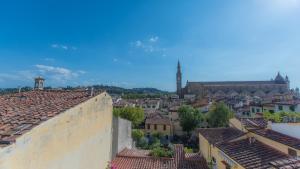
(247, 144)
(55, 130)
(157, 123)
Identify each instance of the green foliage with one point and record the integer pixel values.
(120, 90)
(133, 114)
(156, 135)
(137, 134)
(219, 115)
(161, 152)
(190, 118)
(154, 143)
(188, 150)
(278, 116)
(142, 143)
(274, 117)
(140, 96)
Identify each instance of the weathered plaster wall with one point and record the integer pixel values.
(204, 148)
(79, 138)
(121, 135)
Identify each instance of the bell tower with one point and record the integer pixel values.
(179, 80)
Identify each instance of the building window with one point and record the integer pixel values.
(280, 107)
(257, 110)
(148, 126)
(292, 152)
(253, 110)
(155, 126)
(165, 127)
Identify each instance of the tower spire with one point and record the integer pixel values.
(179, 80)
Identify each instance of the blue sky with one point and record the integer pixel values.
(138, 43)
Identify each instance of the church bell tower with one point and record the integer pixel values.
(179, 80)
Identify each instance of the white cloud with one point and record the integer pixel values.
(154, 39)
(58, 73)
(54, 75)
(139, 43)
(63, 47)
(81, 72)
(149, 45)
(55, 46)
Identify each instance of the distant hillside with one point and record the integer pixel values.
(109, 89)
(120, 90)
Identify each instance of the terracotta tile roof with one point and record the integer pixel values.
(134, 153)
(278, 137)
(129, 160)
(219, 135)
(195, 161)
(288, 163)
(21, 112)
(157, 118)
(201, 103)
(192, 156)
(143, 163)
(291, 102)
(254, 122)
(251, 155)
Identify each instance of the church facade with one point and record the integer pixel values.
(271, 87)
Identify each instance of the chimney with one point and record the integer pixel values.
(251, 140)
(39, 83)
(92, 91)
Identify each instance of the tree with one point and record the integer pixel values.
(161, 152)
(279, 116)
(219, 115)
(189, 118)
(133, 114)
(137, 134)
(142, 143)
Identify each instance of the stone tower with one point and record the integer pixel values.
(39, 83)
(179, 80)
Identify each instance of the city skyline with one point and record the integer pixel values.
(106, 42)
